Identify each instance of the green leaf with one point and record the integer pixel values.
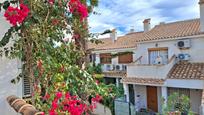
(6, 38)
(6, 5)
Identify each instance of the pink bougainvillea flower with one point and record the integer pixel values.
(16, 15)
(54, 105)
(52, 112)
(82, 9)
(55, 22)
(66, 39)
(59, 95)
(51, 2)
(97, 98)
(75, 6)
(97, 82)
(71, 104)
(46, 97)
(39, 63)
(42, 113)
(76, 36)
(67, 95)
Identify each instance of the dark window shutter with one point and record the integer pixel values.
(125, 58)
(105, 58)
(26, 87)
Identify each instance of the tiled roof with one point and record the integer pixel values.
(115, 74)
(159, 32)
(186, 70)
(126, 41)
(173, 30)
(144, 81)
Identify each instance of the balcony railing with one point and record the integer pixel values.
(155, 71)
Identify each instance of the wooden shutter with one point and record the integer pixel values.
(105, 58)
(125, 58)
(26, 87)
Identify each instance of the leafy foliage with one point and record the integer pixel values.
(177, 102)
(109, 91)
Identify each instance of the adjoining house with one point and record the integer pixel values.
(166, 59)
(114, 54)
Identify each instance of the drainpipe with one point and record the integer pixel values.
(202, 104)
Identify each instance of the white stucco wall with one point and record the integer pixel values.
(97, 61)
(140, 96)
(191, 84)
(159, 98)
(8, 71)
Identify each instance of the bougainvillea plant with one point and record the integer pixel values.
(49, 36)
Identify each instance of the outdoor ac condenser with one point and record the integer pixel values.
(184, 57)
(183, 44)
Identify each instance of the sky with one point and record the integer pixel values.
(127, 14)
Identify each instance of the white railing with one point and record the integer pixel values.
(150, 70)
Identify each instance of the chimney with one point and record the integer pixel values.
(161, 23)
(147, 24)
(132, 29)
(202, 15)
(113, 35)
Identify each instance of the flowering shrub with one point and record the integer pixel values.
(40, 24)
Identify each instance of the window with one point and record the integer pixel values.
(105, 58)
(158, 55)
(125, 58)
(26, 87)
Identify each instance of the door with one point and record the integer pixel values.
(155, 53)
(152, 101)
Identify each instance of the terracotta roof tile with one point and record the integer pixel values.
(186, 70)
(115, 74)
(144, 81)
(126, 41)
(159, 32)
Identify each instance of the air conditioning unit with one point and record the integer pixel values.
(118, 68)
(182, 44)
(109, 67)
(185, 57)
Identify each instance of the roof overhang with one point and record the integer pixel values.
(143, 81)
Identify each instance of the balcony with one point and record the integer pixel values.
(153, 71)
